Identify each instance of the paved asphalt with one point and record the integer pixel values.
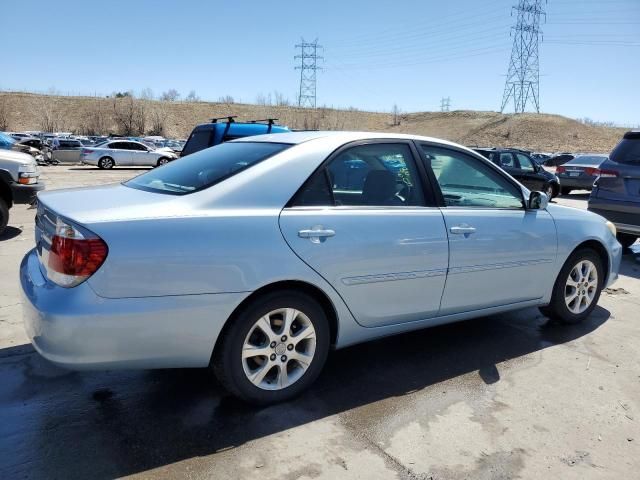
(506, 396)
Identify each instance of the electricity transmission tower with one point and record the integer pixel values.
(308, 67)
(445, 104)
(523, 78)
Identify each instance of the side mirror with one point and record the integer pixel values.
(538, 201)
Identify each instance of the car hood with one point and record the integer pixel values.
(14, 156)
(562, 211)
(114, 202)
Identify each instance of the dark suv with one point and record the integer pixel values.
(616, 192)
(521, 166)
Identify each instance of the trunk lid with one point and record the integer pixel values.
(88, 205)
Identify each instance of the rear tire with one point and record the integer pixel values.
(4, 215)
(577, 289)
(566, 190)
(106, 163)
(626, 239)
(252, 354)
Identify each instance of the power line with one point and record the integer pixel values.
(445, 104)
(308, 67)
(522, 85)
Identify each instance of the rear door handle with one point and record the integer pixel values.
(463, 229)
(317, 234)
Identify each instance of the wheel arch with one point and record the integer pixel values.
(296, 285)
(602, 252)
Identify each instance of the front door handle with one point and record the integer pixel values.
(317, 234)
(463, 229)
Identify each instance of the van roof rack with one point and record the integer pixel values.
(229, 118)
(270, 121)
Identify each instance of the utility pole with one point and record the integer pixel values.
(308, 67)
(445, 104)
(523, 78)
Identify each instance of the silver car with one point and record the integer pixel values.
(258, 255)
(66, 150)
(124, 153)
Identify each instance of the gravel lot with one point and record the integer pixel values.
(508, 396)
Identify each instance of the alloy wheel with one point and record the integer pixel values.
(278, 349)
(581, 286)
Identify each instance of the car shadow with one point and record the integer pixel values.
(9, 233)
(60, 424)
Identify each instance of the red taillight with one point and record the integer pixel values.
(594, 172)
(77, 257)
(75, 254)
(86, 151)
(560, 169)
(608, 174)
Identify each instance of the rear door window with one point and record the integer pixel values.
(524, 162)
(205, 168)
(379, 175)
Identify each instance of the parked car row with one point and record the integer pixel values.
(521, 166)
(50, 149)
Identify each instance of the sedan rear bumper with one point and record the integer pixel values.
(577, 182)
(77, 329)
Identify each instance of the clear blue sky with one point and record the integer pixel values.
(377, 52)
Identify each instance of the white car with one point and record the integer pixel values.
(124, 153)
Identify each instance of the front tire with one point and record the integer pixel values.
(106, 163)
(274, 349)
(626, 239)
(577, 289)
(162, 161)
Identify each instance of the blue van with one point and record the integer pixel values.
(209, 134)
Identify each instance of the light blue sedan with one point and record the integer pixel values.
(259, 255)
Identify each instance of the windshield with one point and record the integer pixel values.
(205, 168)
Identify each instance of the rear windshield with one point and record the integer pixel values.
(205, 168)
(586, 160)
(627, 151)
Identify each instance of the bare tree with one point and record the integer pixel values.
(128, 114)
(263, 100)
(50, 117)
(192, 97)
(280, 99)
(4, 113)
(226, 99)
(96, 120)
(158, 117)
(146, 94)
(170, 95)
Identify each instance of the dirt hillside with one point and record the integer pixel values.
(540, 132)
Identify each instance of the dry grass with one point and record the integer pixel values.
(541, 132)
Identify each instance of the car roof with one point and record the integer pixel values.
(295, 138)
